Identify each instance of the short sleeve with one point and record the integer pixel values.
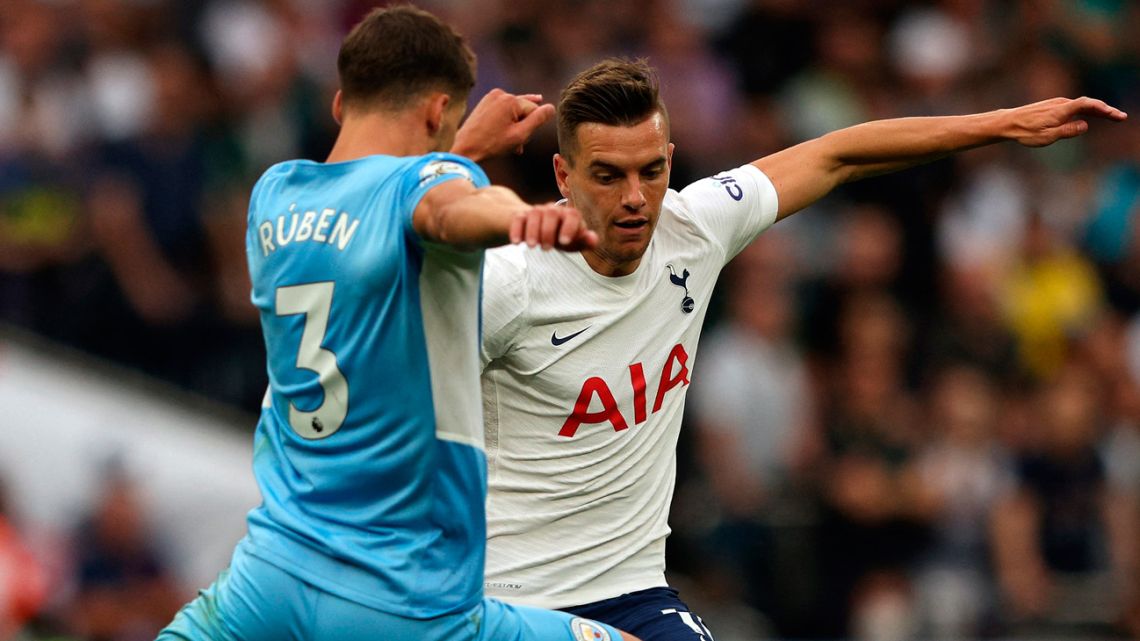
(734, 206)
(504, 300)
(432, 170)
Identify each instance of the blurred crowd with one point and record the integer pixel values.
(916, 411)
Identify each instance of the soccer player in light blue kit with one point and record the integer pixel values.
(369, 452)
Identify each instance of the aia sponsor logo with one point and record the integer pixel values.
(674, 373)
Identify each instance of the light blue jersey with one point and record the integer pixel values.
(369, 450)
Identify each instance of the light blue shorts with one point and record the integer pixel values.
(256, 601)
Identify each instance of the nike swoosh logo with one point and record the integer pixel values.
(554, 340)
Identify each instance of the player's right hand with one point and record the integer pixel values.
(552, 226)
(1043, 123)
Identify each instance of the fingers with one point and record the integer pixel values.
(1073, 128)
(523, 107)
(535, 118)
(1097, 107)
(585, 239)
(501, 122)
(552, 226)
(549, 234)
(1048, 121)
(542, 222)
(518, 226)
(532, 235)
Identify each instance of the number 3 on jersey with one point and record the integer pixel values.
(314, 300)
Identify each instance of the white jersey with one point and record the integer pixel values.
(584, 386)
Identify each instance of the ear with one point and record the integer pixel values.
(338, 108)
(435, 108)
(561, 173)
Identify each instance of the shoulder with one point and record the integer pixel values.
(269, 184)
(506, 298)
(683, 220)
(505, 276)
(430, 168)
(274, 174)
(745, 185)
(505, 264)
(676, 210)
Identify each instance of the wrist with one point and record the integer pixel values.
(462, 147)
(998, 125)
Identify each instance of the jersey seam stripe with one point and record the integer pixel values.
(461, 439)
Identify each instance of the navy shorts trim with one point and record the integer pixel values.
(656, 614)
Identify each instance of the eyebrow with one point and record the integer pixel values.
(599, 164)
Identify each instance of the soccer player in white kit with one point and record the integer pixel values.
(587, 356)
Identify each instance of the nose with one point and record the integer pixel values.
(632, 197)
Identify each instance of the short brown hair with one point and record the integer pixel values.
(395, 54)
(615, 91)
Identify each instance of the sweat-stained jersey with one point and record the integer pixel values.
(584, 385)
(369, 451)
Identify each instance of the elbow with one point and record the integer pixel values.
(846, 172)
(448, 231)
(438, 225)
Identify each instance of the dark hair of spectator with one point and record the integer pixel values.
(615, 92)
(394, 55)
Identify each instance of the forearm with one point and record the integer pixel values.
(807, 172)
(456, 213)
(479, 219)
(810, 170)
(884, 146)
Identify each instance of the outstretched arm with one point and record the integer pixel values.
(808, 171)
(457, 213)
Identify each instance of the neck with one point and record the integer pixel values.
(607, 265)
(373, 133)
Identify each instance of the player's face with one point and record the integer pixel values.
(617, 179)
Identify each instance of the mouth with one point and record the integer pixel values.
(632, 223)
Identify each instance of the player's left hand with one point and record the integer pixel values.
(552, 226)
(1043, 123)
(500, 123)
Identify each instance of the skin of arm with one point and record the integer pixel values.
(456, 213)
(808, 171)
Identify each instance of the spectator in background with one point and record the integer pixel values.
(1112, 231)
(77, 79)
(42, 125)
(1104, 350)
(970, 329)
(868, 259)
(875, 502)
(124, 588)
(838, 89)
(1050, 297)
(965, 471)
(1066, 540)
(23, 586)
(150, 199)
(753, 417)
